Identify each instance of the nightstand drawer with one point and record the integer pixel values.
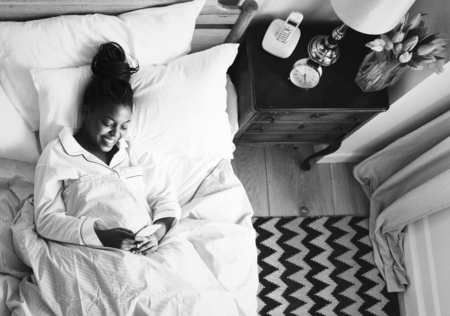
(289, 138)
(321, 127)
(313, 116)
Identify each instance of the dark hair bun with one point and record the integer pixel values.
(110, 83)
(111, 62)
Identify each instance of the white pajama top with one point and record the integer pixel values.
(64, 160)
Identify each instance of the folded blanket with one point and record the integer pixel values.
(13, 194)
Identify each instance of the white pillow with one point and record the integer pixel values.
(16, 140)
(180, 108)
(153, 36)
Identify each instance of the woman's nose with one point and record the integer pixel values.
(113, 132)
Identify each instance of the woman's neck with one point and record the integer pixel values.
(106, 157)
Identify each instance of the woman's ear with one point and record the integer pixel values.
(84, 112)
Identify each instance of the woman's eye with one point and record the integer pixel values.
(125, 127)
(108, 124)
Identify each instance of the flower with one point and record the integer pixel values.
(426, 49)
(388, 43)
(414, 22)
(398, 37)
(436, 67)
(398, 48)
(376, 45)
(405, 57)
(410, 45)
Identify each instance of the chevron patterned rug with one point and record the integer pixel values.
(319, 266)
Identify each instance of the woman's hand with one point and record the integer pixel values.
(146, 246)
(151, 243)
(119, 238)
(166, 223)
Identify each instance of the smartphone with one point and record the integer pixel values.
(148, 230)
(292, 22)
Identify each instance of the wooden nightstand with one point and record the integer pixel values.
(272, 111)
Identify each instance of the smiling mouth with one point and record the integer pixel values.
(109, 141)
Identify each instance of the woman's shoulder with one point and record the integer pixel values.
(53, 148)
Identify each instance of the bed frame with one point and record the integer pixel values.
(216, 24)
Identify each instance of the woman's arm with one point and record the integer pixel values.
(166, 224)
(50, 216)
(53, 223)
(160, 193)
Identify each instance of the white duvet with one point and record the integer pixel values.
(206, 266)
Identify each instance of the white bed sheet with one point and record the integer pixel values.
(22, 169)
(208, 266)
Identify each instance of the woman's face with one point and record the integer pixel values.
(103, 128)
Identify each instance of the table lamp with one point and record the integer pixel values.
(365, 16)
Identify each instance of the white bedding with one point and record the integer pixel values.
(207, 266)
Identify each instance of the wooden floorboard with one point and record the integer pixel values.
(276, 185)
(249, 164)
(349, 197)
(290, 188)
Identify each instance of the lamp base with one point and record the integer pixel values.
(324, 49)
(321, 52)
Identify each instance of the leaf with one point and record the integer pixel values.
(428, 39)
(418, 31)
(422, 59)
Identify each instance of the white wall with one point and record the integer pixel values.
(418, 97)
(426, 262)
(426, 101)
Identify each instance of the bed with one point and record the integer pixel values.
(185, 113)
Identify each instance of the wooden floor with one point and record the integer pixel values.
(277, 186)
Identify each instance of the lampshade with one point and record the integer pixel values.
(371, 16)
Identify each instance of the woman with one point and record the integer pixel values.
(92, 184)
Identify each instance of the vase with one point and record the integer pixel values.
(377, 71)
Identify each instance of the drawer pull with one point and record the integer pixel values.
(314, 116)
(290, 136)
(272, 119)
(262, 130)
(302, 126)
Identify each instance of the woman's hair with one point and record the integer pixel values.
(110, 83)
